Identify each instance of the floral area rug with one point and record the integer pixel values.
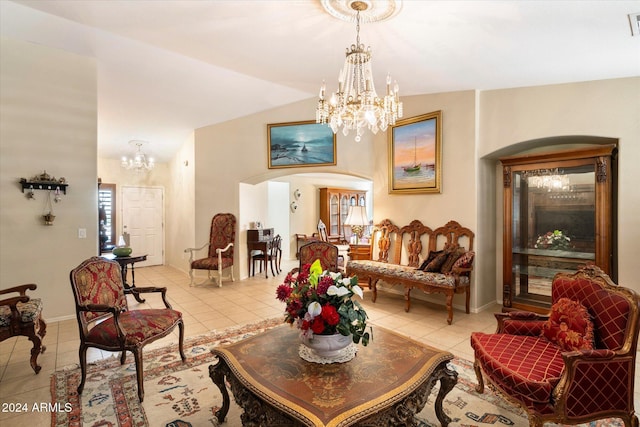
(182, 394)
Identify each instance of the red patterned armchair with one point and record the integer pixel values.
(573, 366)
(105, 321)
(221, 240)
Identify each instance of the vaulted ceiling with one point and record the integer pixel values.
(168, 67)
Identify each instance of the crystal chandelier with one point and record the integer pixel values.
(548, 179)
(356, 104)
(140, 162)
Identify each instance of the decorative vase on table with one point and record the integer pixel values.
(321, 306)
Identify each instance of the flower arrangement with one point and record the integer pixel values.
(321, 303)
(555, 239)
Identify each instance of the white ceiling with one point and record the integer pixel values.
(168, 67)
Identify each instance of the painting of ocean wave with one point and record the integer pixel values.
(300, 144)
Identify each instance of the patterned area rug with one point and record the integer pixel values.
(182, 394)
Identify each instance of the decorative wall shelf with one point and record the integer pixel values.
(39, 185)
(44, 181)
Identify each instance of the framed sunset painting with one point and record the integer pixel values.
(415, 154)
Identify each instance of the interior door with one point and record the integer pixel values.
(143, 220)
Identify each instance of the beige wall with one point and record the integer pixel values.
(457, 200)
(48, 107)
(235, 152)
(607, 109)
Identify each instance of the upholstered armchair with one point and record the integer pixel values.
(105, 321)
(220, 256)
(573, 366)
(20, 315)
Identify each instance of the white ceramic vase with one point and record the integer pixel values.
(327, 346)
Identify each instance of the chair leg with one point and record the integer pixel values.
(83, 367)
(35, 351)
(137, 354)
(191, 276)
(181, 340)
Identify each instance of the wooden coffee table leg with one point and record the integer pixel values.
(448, 379)
(217, 374)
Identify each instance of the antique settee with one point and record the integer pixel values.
(417, 257)
(574, 365)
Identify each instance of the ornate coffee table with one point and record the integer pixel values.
(386, 384)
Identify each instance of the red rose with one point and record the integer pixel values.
(318, 325)
(330, 314)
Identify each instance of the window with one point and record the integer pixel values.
(107, 216)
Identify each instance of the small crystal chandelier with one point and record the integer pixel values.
(140, 162)
(356, 105)
(548, 179)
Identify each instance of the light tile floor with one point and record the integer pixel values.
(206, 308)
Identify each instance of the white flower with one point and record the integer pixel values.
(339, 291)
(314, 309)
(357, 290)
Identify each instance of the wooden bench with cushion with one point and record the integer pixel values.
(400, 258)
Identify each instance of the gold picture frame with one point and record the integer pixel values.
(299, 144)
(415, 155)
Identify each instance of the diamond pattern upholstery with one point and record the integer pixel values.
(574, 386)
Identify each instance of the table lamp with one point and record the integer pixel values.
(357, 219)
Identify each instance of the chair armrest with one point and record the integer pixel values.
(582, 366)
(520, 323)
(193, 250)
(11, 302)
(21, 289)
(102, 308)
(226, 248)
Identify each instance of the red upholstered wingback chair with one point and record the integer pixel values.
(573, 386)
(105, 321)
(221, 240)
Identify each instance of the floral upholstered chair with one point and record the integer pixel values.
(105, 321)
(576, 364)
(221, 240)
(21, 316)
(323, 251)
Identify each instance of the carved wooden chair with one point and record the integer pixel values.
(105, 321)
(324, 251)
(21, 316)
(338, 241)
(220, 256)
(574, 366)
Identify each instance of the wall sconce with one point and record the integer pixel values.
(297, 194)
(294, 206)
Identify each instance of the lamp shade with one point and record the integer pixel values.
(357, 215)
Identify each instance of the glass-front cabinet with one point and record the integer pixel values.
(558, 215)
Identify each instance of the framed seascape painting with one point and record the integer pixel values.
(415, 154)
(298, 144)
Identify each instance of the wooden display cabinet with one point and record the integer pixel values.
(559, 214)
(334, 207)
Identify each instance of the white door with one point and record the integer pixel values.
(143, 220)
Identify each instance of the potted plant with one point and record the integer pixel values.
(321, 304)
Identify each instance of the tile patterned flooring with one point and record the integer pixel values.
(206, 308)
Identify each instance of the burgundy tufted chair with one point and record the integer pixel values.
(105, 321)
(567, 387)
(221, 240)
